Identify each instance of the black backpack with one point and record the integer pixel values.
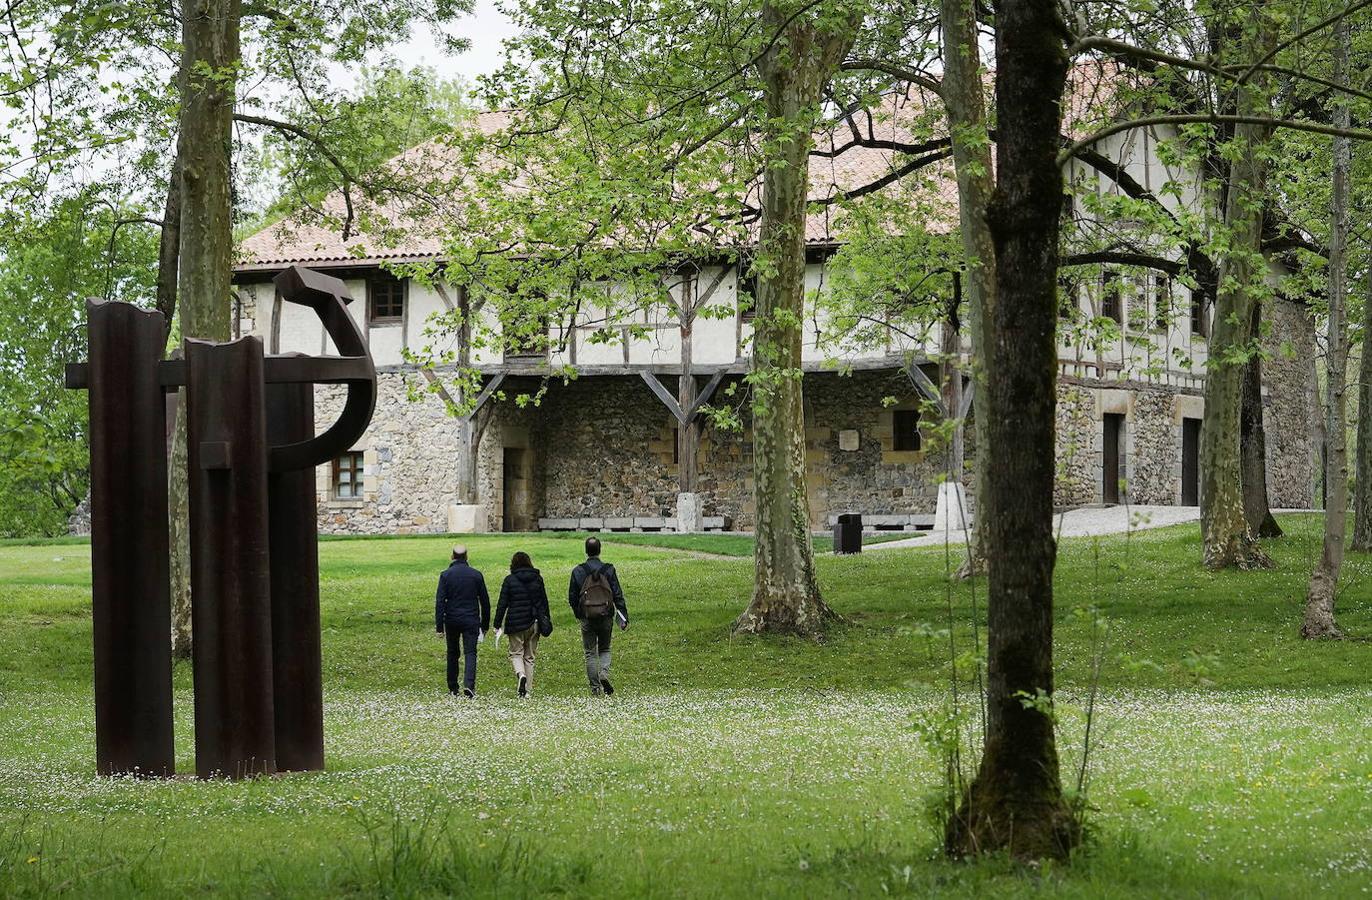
(597, 597)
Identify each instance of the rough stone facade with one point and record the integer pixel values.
(1290, 405)
(1078, 427)
(604, 446)
(1154, 439)
(409, 455)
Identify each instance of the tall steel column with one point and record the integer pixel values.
(130, 597)
(231, 609)
(296, 657)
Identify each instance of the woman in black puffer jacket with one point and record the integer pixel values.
(523, 602)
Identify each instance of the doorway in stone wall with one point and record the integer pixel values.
(1190, 462)
(1112, 467)
(518, 494)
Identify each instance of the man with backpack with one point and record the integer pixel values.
(597, 601)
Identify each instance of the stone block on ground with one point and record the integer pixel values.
(689, 514)
(466, 518)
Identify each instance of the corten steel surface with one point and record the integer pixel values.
(130, 598)
(254, 560)
(297, 686)
(231, 609)
(327, 296)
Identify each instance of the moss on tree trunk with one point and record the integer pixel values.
(794, 70)
(1015, 803)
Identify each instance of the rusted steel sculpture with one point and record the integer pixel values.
(254, 561)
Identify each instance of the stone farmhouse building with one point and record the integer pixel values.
(1129, 410)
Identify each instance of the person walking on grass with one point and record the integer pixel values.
(523, 612)
(597, 602)
(462, 613)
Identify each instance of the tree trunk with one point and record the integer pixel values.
(1015, 803)
(1257, 510)
(1362, 463)
(966, 109)
(795, 71)
(1228, 541)
(1324, 580)
(209, 63)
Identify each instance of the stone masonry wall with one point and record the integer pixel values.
(872, 477)
(1154, 449)
(1290, 408)
(1078, 447)
(409, 458)
(603, 446)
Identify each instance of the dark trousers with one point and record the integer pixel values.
(461, 646)
(595, 640)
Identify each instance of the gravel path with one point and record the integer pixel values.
(1086, 521)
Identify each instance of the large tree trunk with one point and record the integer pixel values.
(1362, 463)
(1015, 803)
(794, 70)
(1228, 541)
(209, 62)
(1324, 580)
(1253, 446)
(962, 98)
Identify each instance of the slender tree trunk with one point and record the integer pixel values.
(1362, 462)
(1228, 541)
(1324, 580)
(966, 109)
(209, 62)
(1015, 803)
(794, 70)
(1253, 446)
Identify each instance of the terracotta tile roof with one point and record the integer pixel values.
(407, 231)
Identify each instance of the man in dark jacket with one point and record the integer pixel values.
(462, 611)
(597, 618)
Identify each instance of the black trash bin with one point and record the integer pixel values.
(848, 533)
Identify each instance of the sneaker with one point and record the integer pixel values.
(606, 686)
(468, 693)
(523, 686)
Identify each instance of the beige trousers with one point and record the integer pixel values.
(522, 647)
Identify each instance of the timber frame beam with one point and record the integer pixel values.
(688, 415)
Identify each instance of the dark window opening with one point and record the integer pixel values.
(347, 476)
(527, 342)
(905, 423)
(1198, 320)
(746, 290)
(386, 299)
(676, 445)
(1162, 302)
(1067, 297)
(1112, 296)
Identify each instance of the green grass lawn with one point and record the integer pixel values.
(1229, 758)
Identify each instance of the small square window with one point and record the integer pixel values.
(905, 423)
(347, 476)
(385, 299)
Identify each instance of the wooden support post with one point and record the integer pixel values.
(293, 529)
(231, 609)
(130, 595)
